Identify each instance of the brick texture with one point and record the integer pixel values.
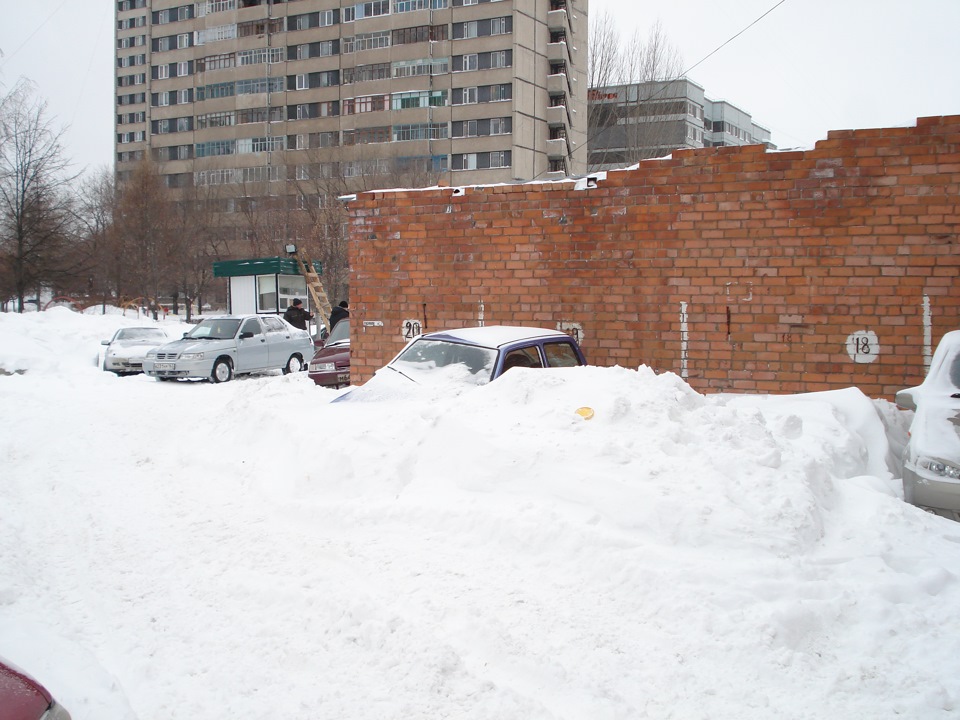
(739, 269)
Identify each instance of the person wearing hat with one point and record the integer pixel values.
(296, 315)
(339, 313)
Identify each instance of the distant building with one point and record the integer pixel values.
(629, 123)
(259, 94)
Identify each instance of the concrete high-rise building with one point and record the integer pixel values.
(263, 94)
(636, 121)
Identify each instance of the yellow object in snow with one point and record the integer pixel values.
(585, 412)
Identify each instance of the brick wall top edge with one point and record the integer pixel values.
(938, 120)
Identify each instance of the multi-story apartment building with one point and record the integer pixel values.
(632, 122)
(261, 94)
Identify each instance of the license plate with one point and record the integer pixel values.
(163, 366)
(343, 377)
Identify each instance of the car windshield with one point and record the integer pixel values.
(426, 360)
(340, 332)
(140, 334)
(214, 329)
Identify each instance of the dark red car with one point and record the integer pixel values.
(330, 365)
(23, 698)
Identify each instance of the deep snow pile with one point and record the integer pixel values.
(250, 550)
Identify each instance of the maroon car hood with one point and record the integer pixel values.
(21, 697)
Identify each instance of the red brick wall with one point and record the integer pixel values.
(740, 269)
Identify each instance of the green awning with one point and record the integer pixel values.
(259, 266)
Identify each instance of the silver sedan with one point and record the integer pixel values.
(218, 348)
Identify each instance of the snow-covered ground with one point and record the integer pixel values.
(252, 551)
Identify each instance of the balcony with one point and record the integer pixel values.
(558, 52)
(557, 84)
(557, 20)
(557, 115)
(557, 148)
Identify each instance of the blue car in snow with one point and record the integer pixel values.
(471, 356)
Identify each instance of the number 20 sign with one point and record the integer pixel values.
(410, 329)
(863, 346)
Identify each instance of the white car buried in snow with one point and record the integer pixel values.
(931, 462)
(220, 347)
(123, 353)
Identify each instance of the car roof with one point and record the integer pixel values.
(496, 336)
(233, 317)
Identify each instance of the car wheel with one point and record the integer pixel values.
(294, 364)
(222, 371)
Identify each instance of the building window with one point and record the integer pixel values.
(183, 69)
(303, 82)
(163, 72)
(499, 93)
(470, 62)
(500, 159)
(500, 126)
(499, 59)
(183, 41)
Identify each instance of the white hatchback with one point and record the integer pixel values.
(931, 462)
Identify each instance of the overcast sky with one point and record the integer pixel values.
(809, 66)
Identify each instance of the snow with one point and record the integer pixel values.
(251, 550)
(496, 335)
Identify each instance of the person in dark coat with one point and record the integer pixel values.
(339, 313)
(296, 315)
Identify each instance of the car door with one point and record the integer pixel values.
(253, 351)
(279, 341)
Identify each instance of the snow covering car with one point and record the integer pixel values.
(23, 698)
(330, 365)
(218, 348)
(931, 461)
(471, 356)
(123, 353)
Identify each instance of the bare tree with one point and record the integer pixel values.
(96, 198)
(633, 93)
(144, 240)
(196, 228)
(35, 207)
(606, 55)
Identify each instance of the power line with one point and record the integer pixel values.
(30, 36)
(730, 40)
(667, 83)
(86, 76)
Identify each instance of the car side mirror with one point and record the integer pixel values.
(905, 400)
(104, 342)
(246, 334)
(184, 335)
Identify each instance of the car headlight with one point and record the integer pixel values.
(939, 468)
(325, 367)
(191, 356)
(151, 353)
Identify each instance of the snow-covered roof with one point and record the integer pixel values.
(494, 336)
